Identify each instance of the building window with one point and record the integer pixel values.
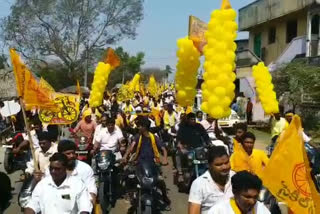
(272, 35)
(292, 30)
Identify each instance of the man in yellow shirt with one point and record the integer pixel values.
(245, 157)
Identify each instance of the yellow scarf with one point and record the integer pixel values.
(169, 120)
(154, 147)
(128, 108)
(235, 207)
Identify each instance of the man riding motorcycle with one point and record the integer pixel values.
(86, 126)
(109, 137)
(146, 147)
(190, 135)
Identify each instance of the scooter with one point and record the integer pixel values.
(107, 170)
(194, 164)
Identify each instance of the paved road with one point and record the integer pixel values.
(179, 200)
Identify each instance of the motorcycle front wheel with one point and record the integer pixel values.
(103, 199)
(147, 210)
(8, 161)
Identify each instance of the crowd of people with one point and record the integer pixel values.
(137, 130)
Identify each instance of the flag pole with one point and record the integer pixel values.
(35, 162)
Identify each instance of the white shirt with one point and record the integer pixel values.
(206, 192)
(83, 172)
(42, 158)
(97, 132)
(224, 207)
(71, 197)
(109, 141)
(34, 138)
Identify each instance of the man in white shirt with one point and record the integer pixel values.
(214, 185)
(246, 188)
(109, 138)
(42, 154)
(78, 168)
(59, 193)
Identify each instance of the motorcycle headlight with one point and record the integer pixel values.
(103, 165)
(190, 156)
(147, 182)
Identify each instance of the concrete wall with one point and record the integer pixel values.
(262, 11)
(273, 51)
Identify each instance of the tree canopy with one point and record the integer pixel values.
(296, 79)
(69, 31)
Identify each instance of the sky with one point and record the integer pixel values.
(164, 22)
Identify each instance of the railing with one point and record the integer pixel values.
(296, 47)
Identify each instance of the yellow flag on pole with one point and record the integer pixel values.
(197, 30)
(112, 58)
(32, 93)
(78, 88)
(287, 175)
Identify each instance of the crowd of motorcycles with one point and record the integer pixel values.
(137, 184)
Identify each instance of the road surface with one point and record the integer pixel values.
(179, 200)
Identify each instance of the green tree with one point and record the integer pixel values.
(159, 74)
(168, 70)
(297, 79)
(69, 30)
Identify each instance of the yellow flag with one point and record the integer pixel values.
(197, 30)
(225, 5)
(112, 58)
(78, 88)
(32, 93)
(287, 175)
(19, 71)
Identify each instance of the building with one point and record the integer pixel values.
(281, 30)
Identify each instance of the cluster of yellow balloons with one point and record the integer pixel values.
(153, 86)
(218, 87)
(124, 93)
(99, 84)
(264, 87)
(134, 84)
(187, 71)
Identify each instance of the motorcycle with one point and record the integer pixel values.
(84, 147)
(194, 164)
(14, 162)
(107, 170)
(144, 178)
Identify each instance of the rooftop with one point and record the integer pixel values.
(261, 11)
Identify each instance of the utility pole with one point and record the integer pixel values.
(87, 54)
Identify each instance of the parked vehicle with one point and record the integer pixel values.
(194, 164)
(230, 121)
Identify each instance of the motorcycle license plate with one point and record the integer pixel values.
(200, 162)
(7, 146)
(81, 152)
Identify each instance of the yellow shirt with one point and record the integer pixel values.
(254, 163)
(278, 126)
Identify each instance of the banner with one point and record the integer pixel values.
(66, 113)
(288, 174)
(197, 30)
